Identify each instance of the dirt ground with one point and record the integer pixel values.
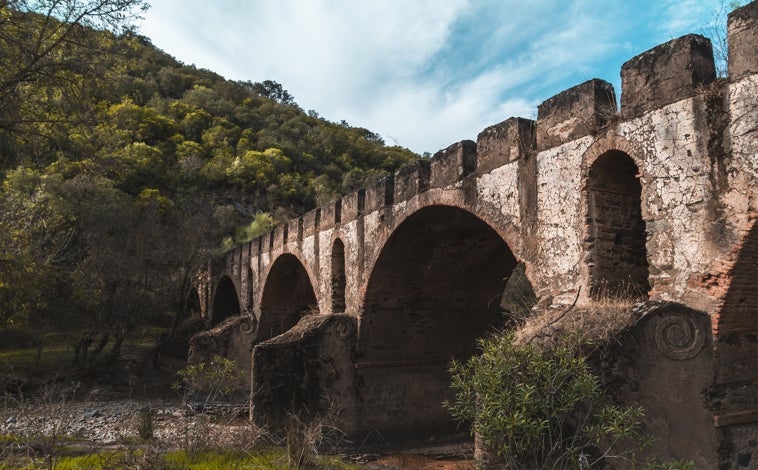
(419, 462)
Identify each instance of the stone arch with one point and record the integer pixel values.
(434, 289)
(616, 233)
(226, 301)
(487, 212)
(338, 278)
(288, 294)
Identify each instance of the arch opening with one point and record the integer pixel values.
(193, 306)
(435, 288)
(616, 241)
(250, 291)
(225, 302)
(338, 277)
(287, 295)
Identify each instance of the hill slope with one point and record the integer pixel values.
(123, 170)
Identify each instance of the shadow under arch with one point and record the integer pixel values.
(193, 304)
(338, 276)
(249, 304)
(616, 241)
(434, 289)
(287, 295)
(225, 301)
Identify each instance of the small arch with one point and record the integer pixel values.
(193, 306)
(225, 301)
(338, 276)
(616, 241)
(287, 295)
(250, 290)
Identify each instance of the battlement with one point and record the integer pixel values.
(665, 74)
(743, 41)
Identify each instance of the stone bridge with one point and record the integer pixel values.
(359, 305)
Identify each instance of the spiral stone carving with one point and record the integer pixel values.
(248, 325)
(678, 337)
(343, 329)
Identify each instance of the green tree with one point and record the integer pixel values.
(272, 90)
(47, 51)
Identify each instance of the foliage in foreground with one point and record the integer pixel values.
(539, 408)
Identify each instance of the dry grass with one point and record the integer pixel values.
(579, 326)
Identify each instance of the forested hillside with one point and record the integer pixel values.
(123, 170)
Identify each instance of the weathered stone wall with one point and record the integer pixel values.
(659, 194)
(666, 362)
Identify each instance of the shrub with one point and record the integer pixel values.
(215, 379)
(145, 425)
(541, 408)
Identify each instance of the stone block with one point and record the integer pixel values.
(331, 213)
(575, 113)
(294, 231)
(353, 205)
(277, 236)
(503, 143)
(311, 222)
(452, 164)
(380, 194)
(665, 74)
(743, 41)
(411, 180)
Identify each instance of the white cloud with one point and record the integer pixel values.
(681, 17)
(425, 73)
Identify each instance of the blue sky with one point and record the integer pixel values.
(421, 73)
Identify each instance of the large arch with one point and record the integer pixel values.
(434, 289)
(225, 301)
(616, 235)
(287, 295)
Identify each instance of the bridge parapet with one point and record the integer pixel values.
(353, 205)
(380, 194)
(331, 214)
(411, 180)
(665, 74)
(577, 112)
(743, 41)
(503, 143)
(452, 164)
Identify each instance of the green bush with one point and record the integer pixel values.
(540, 408)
